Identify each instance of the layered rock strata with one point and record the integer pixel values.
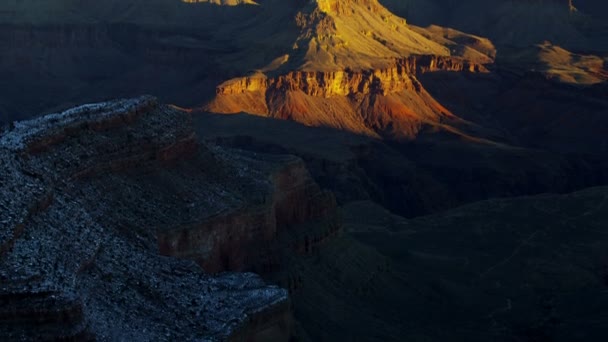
(388, 102)
(348, 82)
(220, 242)
(87, 198)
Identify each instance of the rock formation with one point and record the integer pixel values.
(388, 102)
(89, 196)
(353, 67)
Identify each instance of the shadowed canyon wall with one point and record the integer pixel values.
(116, 176)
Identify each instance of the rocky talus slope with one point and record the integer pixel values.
(93, 196)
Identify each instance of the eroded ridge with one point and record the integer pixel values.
(88, 197)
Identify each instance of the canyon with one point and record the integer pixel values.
(330, 78)
(387, 102)
(317, 170)
(155, 215)
(334, 84)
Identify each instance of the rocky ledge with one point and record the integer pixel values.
(90, 195)
(388, 102)
(348, 82)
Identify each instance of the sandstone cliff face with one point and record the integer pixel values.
(347, 82)
(353, 67)
(88, 197)
(379, 102)
(345, 7)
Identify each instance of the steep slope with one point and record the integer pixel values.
(352, 67)
(92, 197)
(355, 34)
(427, 175)
(381, 277)
(74, 51)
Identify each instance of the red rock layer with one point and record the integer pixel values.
(386, 102)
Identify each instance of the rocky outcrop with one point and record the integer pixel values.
(344, 7)
(347, 82)
(223, 242)
(354, 67)
(387, 102)
(43, 133)
(90, 194)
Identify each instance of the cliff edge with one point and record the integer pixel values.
(88, 196)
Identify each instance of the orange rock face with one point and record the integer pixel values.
(345, 7)
(377, 102)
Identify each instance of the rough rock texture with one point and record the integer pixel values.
(220, 242)
(348, 82)
(357, 34)
(388, 102)
(88, 196)
(353, 66)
